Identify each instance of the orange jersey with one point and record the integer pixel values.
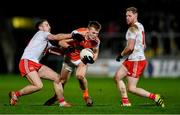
(87, 43)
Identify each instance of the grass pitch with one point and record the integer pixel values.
(102, 90)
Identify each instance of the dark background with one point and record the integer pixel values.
(68, 14)
(159, 16)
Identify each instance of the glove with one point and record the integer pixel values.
(77, 36)
(118, 58)
(87, 59)
(69, 49)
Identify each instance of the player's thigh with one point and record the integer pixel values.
(34, 79)
(81, 70)
(47, 73)
(121, 72)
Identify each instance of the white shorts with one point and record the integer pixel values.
(70, 64)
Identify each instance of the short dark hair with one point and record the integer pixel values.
(94, 24)
(133, 9)
(39, 22)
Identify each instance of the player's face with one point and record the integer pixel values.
(130, 17)
(45, 26)
(93, 33)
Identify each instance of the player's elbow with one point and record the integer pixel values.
(130, 48)
(51, 37)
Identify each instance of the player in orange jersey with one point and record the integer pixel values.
(88, 38)
(135, 62)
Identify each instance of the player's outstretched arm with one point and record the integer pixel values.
(59, 36)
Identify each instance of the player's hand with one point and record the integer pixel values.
(88, 59)
(69, 49)
(118, 58)
(77, 36)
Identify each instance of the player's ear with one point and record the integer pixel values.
(40, 28)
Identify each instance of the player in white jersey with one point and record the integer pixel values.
(30, 67)
(135, 62)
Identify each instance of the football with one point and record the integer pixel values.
(86, 52)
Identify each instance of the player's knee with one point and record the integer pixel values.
(63, 80)
(80, 77)
(56, 80)
(39, 86)
(132, 89)
(116, 79)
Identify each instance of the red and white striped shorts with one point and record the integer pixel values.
(135, 68)
(26, 66)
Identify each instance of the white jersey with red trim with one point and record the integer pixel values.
(139, 36)
(34, 50)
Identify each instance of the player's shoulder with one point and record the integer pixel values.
(133, 28)
(82, 29)
(41, 33)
